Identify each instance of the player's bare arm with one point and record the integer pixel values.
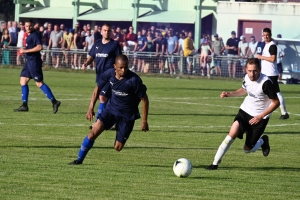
(37, 48)
(237, 93)
(272, 58)
(88, 62)
(145, 107)
(274, 105)
(90, 113)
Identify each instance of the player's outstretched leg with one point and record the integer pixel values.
(47, 91)
(86, 145)
(24, 106)
(265, 147)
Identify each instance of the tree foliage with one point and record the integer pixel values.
(7, 10)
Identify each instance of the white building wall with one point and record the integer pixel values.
(284, 17)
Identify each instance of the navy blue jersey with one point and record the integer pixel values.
(162, 42)
(104, 55)
(126, 94)
(260, 47)
(141, 42)
(32, 41)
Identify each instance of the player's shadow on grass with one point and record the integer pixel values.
(283, 168)
(187, 131)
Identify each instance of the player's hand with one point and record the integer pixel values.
(258, 56)
(145, 126)
(255, 120)
(22, 50)
(90, 115)
(83, 66)
(224, 94)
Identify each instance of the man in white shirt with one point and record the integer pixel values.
(253, 115)
(20, 42)
(269, 67)
(252, 47)
(280, 55)
(242, 52)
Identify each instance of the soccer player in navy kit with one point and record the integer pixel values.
(33, 69)
(104, 52)
(122, 107)
(253, 115)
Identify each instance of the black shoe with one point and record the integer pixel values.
(55, 106)
(266, 146)
(212, 167)
(75, 162)
(286, 116)
(22, 109)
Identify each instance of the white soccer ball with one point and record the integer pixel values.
(182, 167)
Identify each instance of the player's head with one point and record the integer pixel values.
(253, 68)
(29, 26)
(121, 65)
(106, 31)
(267, 34)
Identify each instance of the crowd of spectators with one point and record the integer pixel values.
(152, 49)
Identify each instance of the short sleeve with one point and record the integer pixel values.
(139, 88)
(269, 89)
(273, 49)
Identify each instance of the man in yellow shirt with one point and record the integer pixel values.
(68, 43)
(188, 52)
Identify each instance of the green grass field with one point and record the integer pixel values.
(187, 119)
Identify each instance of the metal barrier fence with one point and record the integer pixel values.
(140, 62)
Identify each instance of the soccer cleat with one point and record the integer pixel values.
(22, 109)
(285, 116)
(55, 106)
(212, 167)
(266, 146)
(75, 162)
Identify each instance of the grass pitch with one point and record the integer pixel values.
(187, 119)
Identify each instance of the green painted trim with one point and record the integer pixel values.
(84, 4)
(26, 2)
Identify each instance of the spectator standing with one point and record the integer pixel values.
(252, 47)
(89, 42)
(68, 44)
(171, 51)
(6, 41)
(142, 48)
(218, 49)
(205, 49)
(132, 42)
(20, 42)
(55, 42)
(188, 52)
(232, 45)
(161, 47)
(13, 31)
(242, 52)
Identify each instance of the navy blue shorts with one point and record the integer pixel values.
(106, 90)
(253, 132)
(33, 70)
(123, 126)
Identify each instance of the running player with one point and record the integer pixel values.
(122, 107)
(33, 69)
(253, 115)
(104, 52)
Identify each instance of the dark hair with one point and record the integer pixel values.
(254, 61)
(122, 57)
(106, 24)
(29, 21)
(267, 30)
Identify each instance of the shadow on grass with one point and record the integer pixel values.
(106, 147)
(277, 168)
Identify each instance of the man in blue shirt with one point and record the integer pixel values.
(142, 48)
(33, 69)
(122, 107)
(104, 52)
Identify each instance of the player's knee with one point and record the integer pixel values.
(39, 84)
(118, 147)
(247, 149)
(103, 99)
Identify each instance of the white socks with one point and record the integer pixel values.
(223, 149)
(282, 103)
